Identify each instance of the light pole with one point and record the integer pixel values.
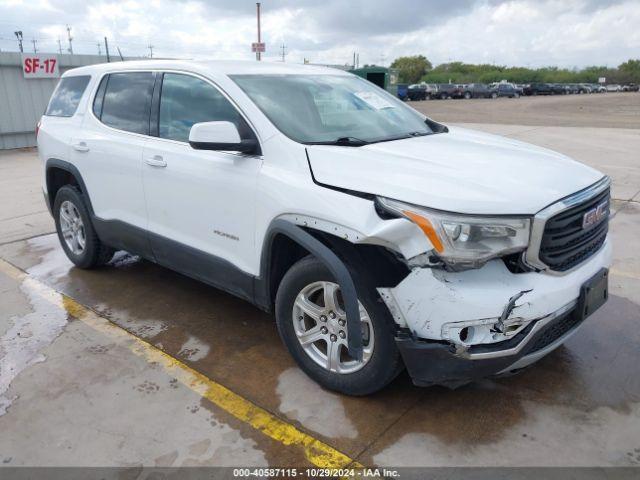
(70, 39)
(18, 35)
(258, 54)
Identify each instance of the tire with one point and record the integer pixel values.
(382, 363)
(443, 96)
(494, 95)
(90, 252)
(467, 95)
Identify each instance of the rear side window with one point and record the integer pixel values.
(127, 101)
(186, 100)
(64, 101)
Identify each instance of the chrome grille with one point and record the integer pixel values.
(566, 242)
(562, 237)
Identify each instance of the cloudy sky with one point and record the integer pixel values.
(569, 33)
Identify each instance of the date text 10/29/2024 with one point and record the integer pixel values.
(316, 472)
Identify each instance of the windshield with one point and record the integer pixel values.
(331, 108)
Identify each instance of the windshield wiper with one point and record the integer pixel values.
(403, 136)
(344, 141)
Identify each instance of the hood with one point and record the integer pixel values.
(461, 171)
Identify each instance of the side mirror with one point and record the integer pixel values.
(222, 136)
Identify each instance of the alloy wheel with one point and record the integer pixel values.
(320, 325)
(72, 228)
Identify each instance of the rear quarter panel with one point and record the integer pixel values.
(56, 133)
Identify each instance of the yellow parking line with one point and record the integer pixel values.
(317, 452)
(620, 273)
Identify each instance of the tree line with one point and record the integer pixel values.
(418, 68)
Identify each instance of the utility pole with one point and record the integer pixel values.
(35, 43)
(70, 39)
(283, 51)
(150, 47)
(106, 49)
(59, 46)
(18, 35)
(99, 50)
(258, 54)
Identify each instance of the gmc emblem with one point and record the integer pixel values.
(595, 215)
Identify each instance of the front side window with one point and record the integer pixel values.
(186, 100)
(127, 101)
(64, 101)
(327, 108)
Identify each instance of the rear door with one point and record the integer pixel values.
(109, 150)
(200, 202)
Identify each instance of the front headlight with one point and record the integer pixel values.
(464, 241)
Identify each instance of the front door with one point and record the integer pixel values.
(200, 203)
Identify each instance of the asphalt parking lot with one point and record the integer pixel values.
(136, 365)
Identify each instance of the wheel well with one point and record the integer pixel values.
(284, 253)
(56, 179)
(378, 264)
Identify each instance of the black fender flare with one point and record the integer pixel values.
(72, 169)
(337, 268)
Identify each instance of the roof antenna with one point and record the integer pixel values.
(120, 53)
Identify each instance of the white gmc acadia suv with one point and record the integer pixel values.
(380, 238)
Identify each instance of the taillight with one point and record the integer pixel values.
(38, 128)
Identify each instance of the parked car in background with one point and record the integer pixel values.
(614, 87)
(585, 88)
(539, 89)
(379, 239)
(558, 89)
(448, 90)
(507, 90)
(403, 90)
(477, 90)
(432, 89)
(417, 91)
(570, 88)
(420, 91)
(630, 87)
(598, 88)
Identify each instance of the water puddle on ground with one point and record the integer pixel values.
(318, 410)
(194, 349)
(29, 334)
(51, 261)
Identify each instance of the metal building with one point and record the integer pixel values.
(23, 100)
(383, 77)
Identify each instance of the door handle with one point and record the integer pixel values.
(156, 161)
(81, 147)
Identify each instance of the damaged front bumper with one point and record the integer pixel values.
(442, 363)
(539, 310)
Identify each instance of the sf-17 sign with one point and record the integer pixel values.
(40, 65)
